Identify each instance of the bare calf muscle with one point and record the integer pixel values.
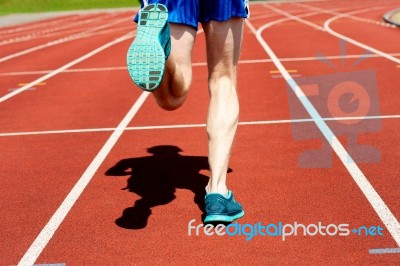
(223, 41)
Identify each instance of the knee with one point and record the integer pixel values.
(222, 84)
(224, 98)
(167, 106)
(170, 103)
(173, 91)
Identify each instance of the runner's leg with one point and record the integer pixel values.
(178, 73)
(223, 41)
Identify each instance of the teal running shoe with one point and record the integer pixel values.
(151, 47)
(222, 209)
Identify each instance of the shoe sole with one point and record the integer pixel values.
(222, 218)
(146, 56)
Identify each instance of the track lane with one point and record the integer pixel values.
(37, 172)
(387, 77)
(84, 22)
(68, 65)
(335, 254)
(120, 241)
(21, 29)
(13, 45)
(378, 204)
(362, 35)
(303, 195)
(66, 104)
(67, 109)
(56, 42)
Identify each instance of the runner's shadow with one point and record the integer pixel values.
(155, 179)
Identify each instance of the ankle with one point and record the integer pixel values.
(217, 189)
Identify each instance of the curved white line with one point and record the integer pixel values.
(380, 207)
(352, 41)
(297, 18)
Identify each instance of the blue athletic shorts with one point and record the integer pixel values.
(191, 12)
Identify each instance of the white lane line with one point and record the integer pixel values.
(80, 35)
(330, 31)
(48, 231)
(44, 23)
(73, 70)
(96, 33)
(66, 66)
(333, 57)
(242, 123)
(333, 12)
(384, 251)
(71, 31)
(30, 89)
(340, 36)
(280, 76)
(281, 20)
(42, 34)
(250, 61)
(65, 131)
(297, 18)
(55, 221)
(262, 16)
(380, 207)
(354, 42)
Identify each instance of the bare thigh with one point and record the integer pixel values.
(224, 40)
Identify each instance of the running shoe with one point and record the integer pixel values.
(222, 209)
(151, 47)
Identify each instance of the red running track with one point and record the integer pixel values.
(94, 173)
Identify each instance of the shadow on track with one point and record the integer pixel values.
(155, 178)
